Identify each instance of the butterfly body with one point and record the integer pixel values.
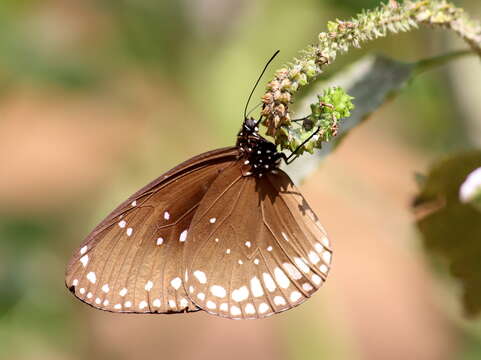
(260, 155)
(225, 232)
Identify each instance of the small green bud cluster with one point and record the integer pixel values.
(334, 105)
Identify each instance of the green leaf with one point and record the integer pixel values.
(450, 224)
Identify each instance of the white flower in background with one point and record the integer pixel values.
(471, 187)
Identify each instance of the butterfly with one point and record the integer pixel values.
(226, 232)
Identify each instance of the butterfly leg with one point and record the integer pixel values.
(289, 159)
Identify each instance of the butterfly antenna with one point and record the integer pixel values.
(257, 82)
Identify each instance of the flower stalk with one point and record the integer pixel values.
(340, 36)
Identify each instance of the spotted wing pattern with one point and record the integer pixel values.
(131, 262)
(256, 247)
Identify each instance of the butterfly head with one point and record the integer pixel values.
(259, 155)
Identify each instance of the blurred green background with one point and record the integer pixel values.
(97, 97)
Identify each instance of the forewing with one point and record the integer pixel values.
(256, 247)
(132, 261)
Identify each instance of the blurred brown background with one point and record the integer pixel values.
(97, 97)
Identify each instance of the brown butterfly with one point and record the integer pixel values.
(226, 232)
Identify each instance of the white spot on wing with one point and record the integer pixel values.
(227, 251)
(149, 285)
(134, 203)
(123, 292)
(218, 291)
(248, 244)
(105, 288)
(211, 305)
(142, 304)
(176, 283)
(279, 300)
(269, 248)
(307, 286)
(127, 304)
(172, 303)
(269, 282)
(326, 256)
(91, 277)
(183, 236)
(98, 301)
(284, 236)
(166, 215)
(234, 310)
(263, 307)
(295, 295)
(83, 250)
(183, 303)
(323, 268)
(319, 248)
(325, 241)
(212, 220)
(256, 287)
(240, 294)
(84, 260)
(302, 265)
(313, 257)
(201, 296)
(224, 307)
(106, 303)
(316, 279)
(156, 302)
(250, 309)
(129, 231)
(89, 295)
(122, 223)
(82, 290)
(118, 306)
(160, 241)
(200, 275)
(75, 282)
(281, 278)
(256, 261)
(292, 270)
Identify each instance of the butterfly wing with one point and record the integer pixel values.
(131, 262)
(256, 248)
